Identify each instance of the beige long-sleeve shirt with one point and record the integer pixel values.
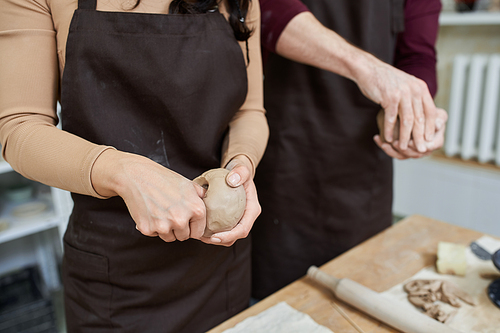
(33, 36)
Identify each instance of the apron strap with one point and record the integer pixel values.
(87, 4)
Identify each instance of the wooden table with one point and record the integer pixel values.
(379, 263)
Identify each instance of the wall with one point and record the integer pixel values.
(450, 191)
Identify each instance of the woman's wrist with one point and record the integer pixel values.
(107, 172)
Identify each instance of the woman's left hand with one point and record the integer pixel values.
(240, 174)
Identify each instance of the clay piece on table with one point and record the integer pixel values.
(225, 205)
(451, 259)
(427, 295)
(451, 291)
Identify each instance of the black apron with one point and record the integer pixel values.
(323, 184)
(165, 87)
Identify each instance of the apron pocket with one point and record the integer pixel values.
(87, 289)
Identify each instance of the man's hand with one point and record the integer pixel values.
(394, 149)
(403, 97)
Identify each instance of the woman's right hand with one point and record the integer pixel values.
(162, 202)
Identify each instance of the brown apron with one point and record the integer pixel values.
(165, 87)
(323, 184)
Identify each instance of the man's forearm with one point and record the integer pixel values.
(326, 50)
(307, 41)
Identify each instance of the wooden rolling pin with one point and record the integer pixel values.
(379, 307)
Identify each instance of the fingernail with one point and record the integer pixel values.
(234, 179)
(421, 148)
(439, 123)
(215, 240)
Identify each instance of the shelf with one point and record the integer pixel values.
(470, 18)
(28, 227)
(36, 220)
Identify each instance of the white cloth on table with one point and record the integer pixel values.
(280, 318)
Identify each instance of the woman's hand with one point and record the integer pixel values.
(161, 202)
(240, 174)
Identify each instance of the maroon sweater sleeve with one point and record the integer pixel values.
(415, 47)
(275, 15)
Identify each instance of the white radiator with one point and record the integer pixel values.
(474, 111)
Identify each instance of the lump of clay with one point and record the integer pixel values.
(225, 205)
(451, 259)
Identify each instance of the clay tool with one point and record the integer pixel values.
(494, 287)
(405, 319)
(479, 251)
(346, 317)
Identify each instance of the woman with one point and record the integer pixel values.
(149, 101)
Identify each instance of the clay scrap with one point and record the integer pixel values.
(427, 295)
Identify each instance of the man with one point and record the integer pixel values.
(324, 183)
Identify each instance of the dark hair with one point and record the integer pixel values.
(237, 9)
